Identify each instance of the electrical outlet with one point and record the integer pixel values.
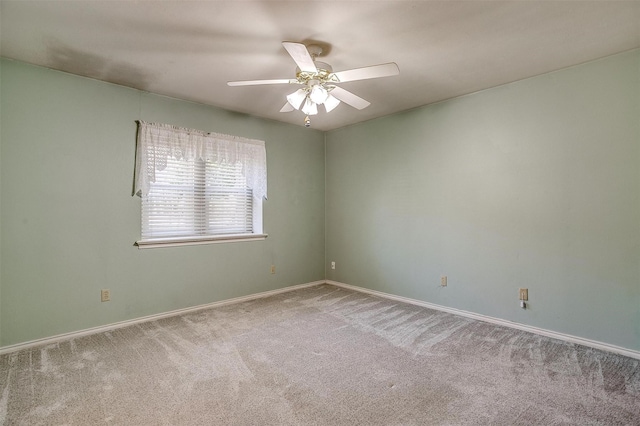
(524, 294)
(105, 295)
(333, 265)
(273, 269)
(443, 281)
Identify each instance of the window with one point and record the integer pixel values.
(198, 187)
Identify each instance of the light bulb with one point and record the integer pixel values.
(307, 121)
(310, 107)
(331, 102)
(318, 94)
(296, 98)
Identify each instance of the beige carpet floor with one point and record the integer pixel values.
(322, 355)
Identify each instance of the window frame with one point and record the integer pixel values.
(198, 181)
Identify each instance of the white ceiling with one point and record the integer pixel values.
(189, 50)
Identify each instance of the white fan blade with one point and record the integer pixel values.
(349, 98)
(287, 108)
(374, 71)
(259, 82)
(300, 55)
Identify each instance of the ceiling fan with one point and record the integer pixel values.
(319, 82)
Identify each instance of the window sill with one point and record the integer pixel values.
(194, 241)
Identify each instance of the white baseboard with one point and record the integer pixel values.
(121, 324)
(541, 331)
(553, 334)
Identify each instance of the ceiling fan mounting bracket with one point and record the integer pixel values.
(314, 50)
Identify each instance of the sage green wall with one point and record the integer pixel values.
(532, 184)
(69, 221)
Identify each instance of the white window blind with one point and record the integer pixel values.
(196, 185)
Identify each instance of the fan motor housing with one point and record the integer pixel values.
(323, 74)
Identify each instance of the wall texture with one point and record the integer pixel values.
(69, 221)
(533, 184)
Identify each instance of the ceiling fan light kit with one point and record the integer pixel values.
(318, 93)
(319, 82)
(330, 103)
(295, 99)
(309, 107)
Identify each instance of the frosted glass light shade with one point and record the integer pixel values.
(310, 107)
(296, 98)
(331, 102)
(318, 94)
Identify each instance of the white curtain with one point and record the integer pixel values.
(157, 142)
